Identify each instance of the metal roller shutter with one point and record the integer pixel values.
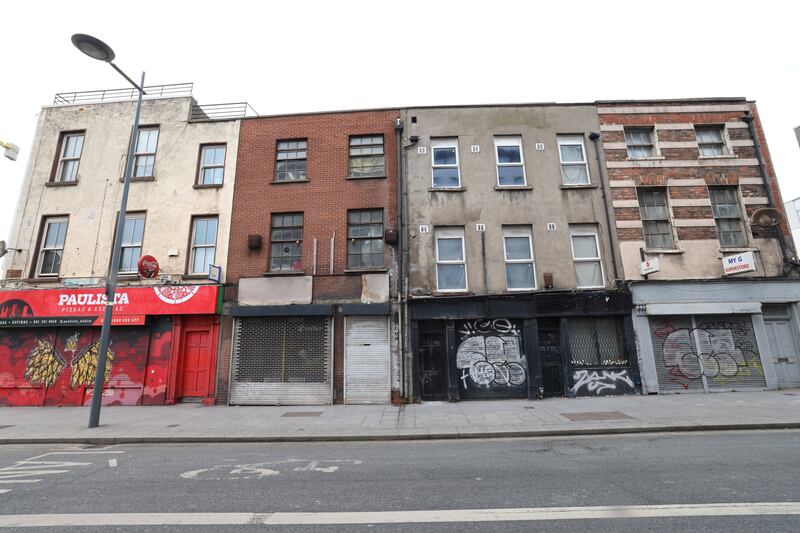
(282, 361)
(706, 353)
(367, 360)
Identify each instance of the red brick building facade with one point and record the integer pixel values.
(313, 235)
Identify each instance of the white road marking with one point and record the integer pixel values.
(71, 453)
(112, 463)
(404, 517)
(261, 470)
(3, 491)
(5, 481)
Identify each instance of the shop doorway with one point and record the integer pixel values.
(433, 361)
(196, 362)
(552, 359)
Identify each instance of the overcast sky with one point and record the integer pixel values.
(285, 57)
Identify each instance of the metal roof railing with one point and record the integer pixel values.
(123, 95)
(228, 111)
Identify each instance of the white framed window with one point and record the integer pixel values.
(204, 244)
(451, 265)
(728, 216)
(212, 164)
(572, 153)
(640, 143)
(444, 159)
(711, 141)
(510, 162)
(518, 254)
(586, 256)
(132, 236)
(70, 156)
(144, 159)
(654, 212)
(51, 250)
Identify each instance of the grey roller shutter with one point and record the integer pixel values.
(282, 361)
(367, 360)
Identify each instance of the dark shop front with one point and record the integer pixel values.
(523, 346)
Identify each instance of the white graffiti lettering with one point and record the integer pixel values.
(597, 383)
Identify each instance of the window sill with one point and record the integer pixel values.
(287, 182)
(365, 270)
(513, 187)
(365, 177)
(61, 183)
(587, 186)
(652, 158)
(284, 273)
(140, 178)
(207, 186)
(447, 189)
(128, 276)
(54, 279)
(194, 276)
(726, 156)
(516, 291)
(464, 292)
(659, 251)
(739, 249)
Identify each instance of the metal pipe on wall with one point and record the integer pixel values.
(595, 137)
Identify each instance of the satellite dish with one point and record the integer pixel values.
(766, 217)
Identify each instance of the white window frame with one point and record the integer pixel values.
(573, 140)
(510, 140)
(137, 154)
(516, 231)
(43, 246)
(450, 142)
(726, 143)
(203, 166)
(451, 233)
(583, 231)
(193, 247)
(64, 159)
(132, 217)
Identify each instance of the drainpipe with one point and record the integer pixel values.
(401, 278)
(595, 137)
(762, 167)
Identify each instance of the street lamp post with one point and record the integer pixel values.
(97, 49)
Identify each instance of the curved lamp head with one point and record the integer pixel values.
(93, 47)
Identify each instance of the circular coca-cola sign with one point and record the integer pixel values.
(148, 266)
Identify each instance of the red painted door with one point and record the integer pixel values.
(196, 364)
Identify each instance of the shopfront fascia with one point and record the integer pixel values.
(523, 346)
(163, 345)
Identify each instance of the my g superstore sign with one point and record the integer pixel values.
(735, 264)
(85, 307)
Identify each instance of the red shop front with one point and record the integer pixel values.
(163, 345)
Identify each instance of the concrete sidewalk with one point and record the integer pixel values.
(473, 419)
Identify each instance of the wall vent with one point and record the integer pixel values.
(423, 228)
(480, 227)
(551, 226)
(422, 150)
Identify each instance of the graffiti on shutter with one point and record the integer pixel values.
(490, 359)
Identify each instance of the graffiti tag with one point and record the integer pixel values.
(596, 383)
(489, 354)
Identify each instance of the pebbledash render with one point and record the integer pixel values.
(408, 254)
(166, 329)
(705, 245)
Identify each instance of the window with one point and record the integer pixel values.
(655, 218)
(286, 238)
(204, 244)
(290, 161)
(444, 153)
(596, 341)
(710, 140)
(212, 164)
(54, 234)
(510, 167)
(574, 169)
(132, 234)
(366, 156)
(520, 272)
(586, 257)
(451, 268)
(365, 239)
(70, 157)
(639, 142)
(725, 206)
(145, 155)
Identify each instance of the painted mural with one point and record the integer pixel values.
(57, 366)
(709, 353)
(490, 359)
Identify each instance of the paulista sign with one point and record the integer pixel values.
(85, 307)
(736, 264)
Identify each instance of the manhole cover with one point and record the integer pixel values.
(596, 416)
(300, 413)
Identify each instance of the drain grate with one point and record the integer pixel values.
(291, 414)
(596, 416)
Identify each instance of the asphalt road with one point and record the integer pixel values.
(218, 486)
